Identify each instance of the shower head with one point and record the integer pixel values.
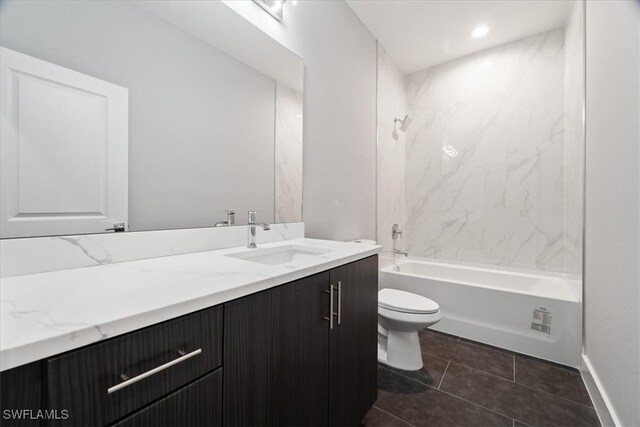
(404, 123)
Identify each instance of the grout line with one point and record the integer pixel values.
(507, 352)
(409, 378)
(445, 373)
(426, 353)
(450, 394)
(394, 416)
(475, 404)
(467, 366)
(523, 385)
(513, 422)
(506, 379)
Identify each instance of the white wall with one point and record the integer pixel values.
(612, 221)
(339, 53)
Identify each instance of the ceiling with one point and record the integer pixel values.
(418, 34)
(216, 23)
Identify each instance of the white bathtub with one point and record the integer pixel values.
(497, 305)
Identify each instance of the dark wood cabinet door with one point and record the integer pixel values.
(276, 355)
(21, 395)
(353, 343)
(195, 405)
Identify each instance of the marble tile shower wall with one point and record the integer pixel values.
(485, 172)
(288, 155)
(391, 148)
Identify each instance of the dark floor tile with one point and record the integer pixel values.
(422, 405)
(558, 380)
(377, 417)
(433, 331)
(517, 423)
(489, 346)
(528, 405)
(482, 358)
(430, 374)
(392, 382)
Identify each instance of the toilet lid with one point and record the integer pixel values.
(406, 302)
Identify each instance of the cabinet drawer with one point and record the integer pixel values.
(163, 357)
(198, 404)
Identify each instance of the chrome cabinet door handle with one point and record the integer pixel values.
(330, 318)
(129, 381)
(339, 301)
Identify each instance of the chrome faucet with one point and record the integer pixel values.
(399, 252)
(251, 230)
(395, 233)
(231, 219)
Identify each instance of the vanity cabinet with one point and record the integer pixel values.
(276, 353)
(97, 384)
(288, 363)
(21, 390)
(302, 353)
(353, 343)
(196, 405)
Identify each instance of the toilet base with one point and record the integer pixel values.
(400, 350)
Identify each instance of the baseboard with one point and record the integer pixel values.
(599, 397)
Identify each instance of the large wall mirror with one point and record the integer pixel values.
(155, 114)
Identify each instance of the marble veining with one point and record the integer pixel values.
(49, 313)
(288, 155)
(484, 172)
(42, 254)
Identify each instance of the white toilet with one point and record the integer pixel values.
(400, 316)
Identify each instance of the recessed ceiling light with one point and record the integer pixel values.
(480, 31)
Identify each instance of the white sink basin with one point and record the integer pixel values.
(280, 254)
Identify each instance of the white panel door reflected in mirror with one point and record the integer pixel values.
(64, 150)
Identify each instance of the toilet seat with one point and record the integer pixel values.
(410, 318)
(406, 302)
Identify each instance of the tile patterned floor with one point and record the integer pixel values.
(464, 383)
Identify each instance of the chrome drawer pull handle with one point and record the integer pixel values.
(331, 313)
(339, 301)
(153, 371)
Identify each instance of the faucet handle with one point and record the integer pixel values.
(395, 231)
(231, 216)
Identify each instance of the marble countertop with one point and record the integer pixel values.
(49, 313)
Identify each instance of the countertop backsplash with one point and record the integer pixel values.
(42, 254)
